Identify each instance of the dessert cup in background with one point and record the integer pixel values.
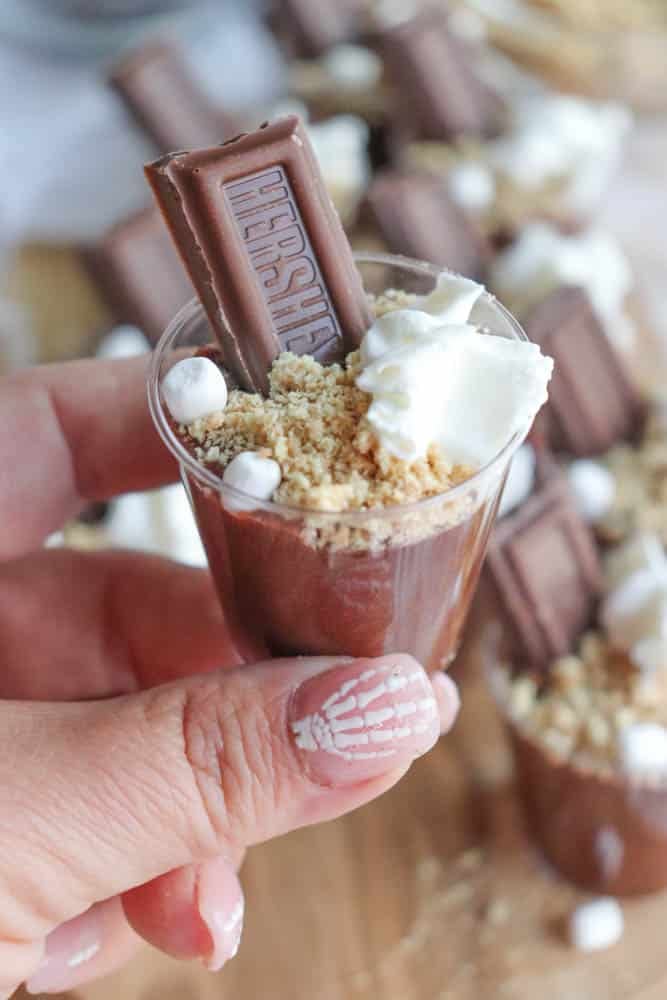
(294, 581)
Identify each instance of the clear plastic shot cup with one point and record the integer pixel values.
(359, 583)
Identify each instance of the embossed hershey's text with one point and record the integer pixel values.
(282, 257)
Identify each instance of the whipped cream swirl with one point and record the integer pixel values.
(436, 379)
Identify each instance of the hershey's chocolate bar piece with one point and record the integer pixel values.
(308, 28)
(592, 402)
(138, 272)
(166, 102)
(438, 94)
(265, 249)
(415, 216)
(543, 574)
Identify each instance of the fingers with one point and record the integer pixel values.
(71, 433)
(109, 622)
(110, 795)
(193, 912)
(90, 946)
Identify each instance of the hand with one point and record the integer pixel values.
(134, 772)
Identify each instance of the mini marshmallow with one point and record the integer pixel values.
(472, 186)
(635, 610)
(649, 656)
(353, 67)
(520, 480)
(253, 474)
(593, 488)
(123, 342)
(596, 925)
(194, 388)
(643, 750)
(642, 551)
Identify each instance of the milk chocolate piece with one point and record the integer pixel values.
(308, 28)
(416, 216)
(264, 248)
(542, 575)
(166, 102)
(139, 274)
(438, 94)
(592, 402)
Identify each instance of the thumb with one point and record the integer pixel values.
(109, 795)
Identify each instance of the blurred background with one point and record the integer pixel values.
(521, 143)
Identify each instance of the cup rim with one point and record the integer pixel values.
(208, 478)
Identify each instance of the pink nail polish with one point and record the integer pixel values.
(68, 950)
(360, 720)
(448, 698)
(221, 907)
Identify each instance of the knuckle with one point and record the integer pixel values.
(235, 755)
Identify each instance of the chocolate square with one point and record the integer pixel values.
(438, 94)
(592, 401)
(139, 273)
(161, 95)
(543, 574)
(307, 28)
(415, 216)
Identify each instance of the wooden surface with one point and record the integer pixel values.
(431, 893)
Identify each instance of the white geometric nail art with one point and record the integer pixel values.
(346, 722)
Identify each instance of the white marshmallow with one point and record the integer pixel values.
(520, 480)
(593, 488)
(649, 655)
(543, 259)
(564, 138)
(123, 342)
(254, 475)
(636, 609)
(341, 147)
(642, 551)
(472, 186)
(194, 388)
(436, 380)
(643, 750)
(596, 925)
(160, 521)
(353, 67)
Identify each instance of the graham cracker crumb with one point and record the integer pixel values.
(578, 710)
(313, 423)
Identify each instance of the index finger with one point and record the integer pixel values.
(69, 434)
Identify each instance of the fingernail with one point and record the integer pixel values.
(448, 698)
(68, 949)
(362, 719)
(221, 906)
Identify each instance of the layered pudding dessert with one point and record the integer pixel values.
(553, 162)
(377, 523)
(590, 735)
(345, 469)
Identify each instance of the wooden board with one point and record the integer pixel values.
(431, 893)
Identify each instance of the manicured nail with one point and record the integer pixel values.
(221, 907)
(68, 949)
(363, 719)
(448, 698)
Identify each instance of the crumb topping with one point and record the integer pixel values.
(313, 423)
(640, 476)
(578, 711)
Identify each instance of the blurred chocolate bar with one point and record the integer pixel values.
(592, 401)
(265, 249)
(542, 575)
(307, 28)
(415, 216)
(437, 92)
(160, 93)
(139, 274)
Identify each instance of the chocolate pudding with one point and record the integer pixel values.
(386, 558)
